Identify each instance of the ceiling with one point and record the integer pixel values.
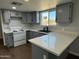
(31, 5)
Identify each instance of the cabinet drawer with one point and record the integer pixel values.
(19, 36)
(19, 43)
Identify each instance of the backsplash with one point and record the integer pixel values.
(16, 24)
(36, 26)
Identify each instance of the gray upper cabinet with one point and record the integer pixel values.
(30, 17)
(35, 17)
(24, 18)
(6, 16)
(16, 14)
(27, 17)
(64, 13)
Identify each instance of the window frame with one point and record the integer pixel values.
(48, 10)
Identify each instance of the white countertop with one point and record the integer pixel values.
(55, 42)
(11, 31)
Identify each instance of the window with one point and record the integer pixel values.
(48, 18)
(52, 17)
(44, 18)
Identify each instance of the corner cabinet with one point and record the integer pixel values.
(64, 13)
(6, 16)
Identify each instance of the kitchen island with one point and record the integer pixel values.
(54, 45)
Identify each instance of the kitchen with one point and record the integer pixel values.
(29, 23)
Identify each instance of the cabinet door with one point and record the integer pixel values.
(36, 34)
(9, 40)
(64, 13)
(6, 15)
(29, 17)
(32, 34)
(24, 18)
(38, 53)
(35, 17)
(74, 49)
(28, 35)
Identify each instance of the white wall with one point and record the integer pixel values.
(0, 26)
(74, 26)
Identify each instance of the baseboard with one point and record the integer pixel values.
(73, 53)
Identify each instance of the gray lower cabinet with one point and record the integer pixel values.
(74, 49)
(39, 53)
(33, 34)
(9, 39)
